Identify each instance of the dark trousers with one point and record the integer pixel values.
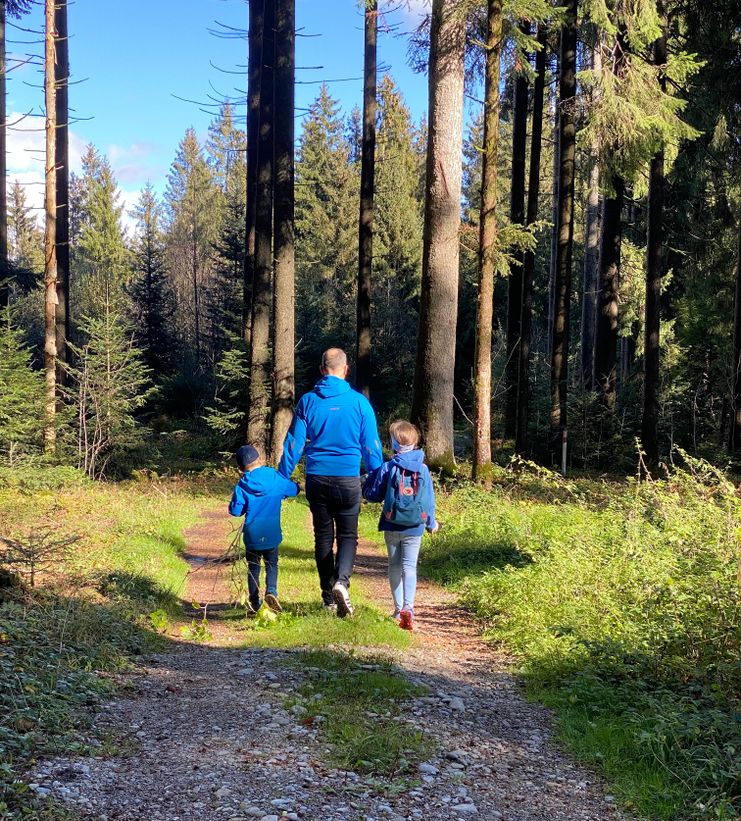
(335, 507)
(254, 559)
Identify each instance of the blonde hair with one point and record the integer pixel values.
(404, 432)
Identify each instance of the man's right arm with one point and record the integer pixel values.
(295, 442)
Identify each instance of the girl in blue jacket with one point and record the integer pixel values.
(404, 485)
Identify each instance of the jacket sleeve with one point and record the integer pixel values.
(238, 504)
(374, 488)
(370, 445)
(293, 447)
(431, 521)
(286, 487)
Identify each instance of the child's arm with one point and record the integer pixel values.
(432, 524)
(238, 504)
(374, 488)
(286, 487)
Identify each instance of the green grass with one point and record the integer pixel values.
(304, 623)
(361, 702)
(624, 608)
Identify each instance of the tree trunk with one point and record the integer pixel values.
(4, 266)
(565, 223)
(605, 358)
(554, 208)
(365, 224)
(259, 410)
(654, 270)
(517, 217)
(283, 286)
(487, 249)
(734, 436)
(254, 70)
(590, 289)
(432, 403)
(61, 74)
(50, 234)
(528, 267)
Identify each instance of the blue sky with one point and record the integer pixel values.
(129, 59)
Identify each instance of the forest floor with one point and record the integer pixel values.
(313, 718)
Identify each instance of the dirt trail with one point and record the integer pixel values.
(204, 733)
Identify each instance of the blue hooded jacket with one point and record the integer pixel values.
(257, 496)
(340, 426)
(374, 489)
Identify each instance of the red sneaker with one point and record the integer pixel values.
(406, 619)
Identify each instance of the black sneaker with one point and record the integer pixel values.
(271, 600)
(342, 600)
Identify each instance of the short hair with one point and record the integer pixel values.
(405, 432)
(333, 359)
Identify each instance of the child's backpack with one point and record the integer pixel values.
(406, 494)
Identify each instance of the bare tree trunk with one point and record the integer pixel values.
(487, 249)
(260, 381)
(284, 282)
(254, 70)
(654, 271)
(50, 235)
(365, 224)
(4, 265)
(590, 289)
(565, 224)
(432, 403)
(734, 436)
(554, 208)
(528, 267)
(605, 359)
(517, 217)
(61, 74)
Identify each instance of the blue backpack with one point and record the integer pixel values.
(406, 494)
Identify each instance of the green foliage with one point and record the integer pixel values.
(110, 383)
(624, 612)
(227, 415)
(22, 396)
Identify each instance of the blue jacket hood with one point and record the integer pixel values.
(329, 386)
(411, 461)
(260, 481)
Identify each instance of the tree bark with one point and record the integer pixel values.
(487, 249)
(432, 403)
(554, 208)
(517, 217)
(528, 267)
(654, 271)
(4, 264)
(565, 223)
(605, 359)
(284, 282)
(365, 223)
(259, 410)
(734, 435)
(254, 70)
(61, 74)
(50, 234)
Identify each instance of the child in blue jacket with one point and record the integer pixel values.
(404, 485)
(258, 496)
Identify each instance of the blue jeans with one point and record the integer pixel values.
(403, 553)
(254, 559)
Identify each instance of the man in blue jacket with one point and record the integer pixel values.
(340, 426)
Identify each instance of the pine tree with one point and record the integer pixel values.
(109, 383)
(25, 240)
(150, 290)
(22, 396)
(432, 401)
(192, 203)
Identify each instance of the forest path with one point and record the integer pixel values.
(206, 731)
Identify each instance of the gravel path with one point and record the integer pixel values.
(193, 746)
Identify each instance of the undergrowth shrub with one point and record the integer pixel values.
(626, 614)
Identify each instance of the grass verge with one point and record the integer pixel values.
(359, 704)
(625, 610)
